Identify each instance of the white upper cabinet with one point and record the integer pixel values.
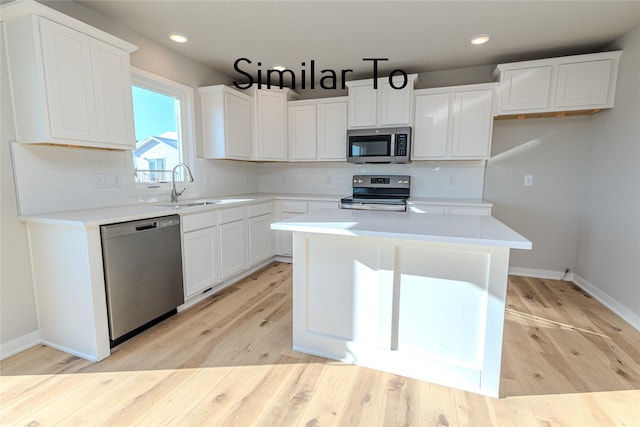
(431, 128)
(71, 83)
(226, 123)
(453, 123)
(572, 83)
(524, 89)
(318, 129)
(472, 124)
(332, 130)
(247, 125)
(302, 132)
(584, 83)
(270, 135)
(383, 106)
(112, 87)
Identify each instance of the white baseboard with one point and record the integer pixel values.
(89, 357)
(540, 274)
(627, 315)
(19, 344)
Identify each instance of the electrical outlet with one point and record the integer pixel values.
(329, 179)
(452, 179)
(528, 180)
(102, 181)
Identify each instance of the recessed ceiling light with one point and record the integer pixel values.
(279, 67)
(480, 39)
(178, 37)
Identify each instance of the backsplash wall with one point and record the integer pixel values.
(54, 179)
(450, 179)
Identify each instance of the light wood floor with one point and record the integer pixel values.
(228, 361)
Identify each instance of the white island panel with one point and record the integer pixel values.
(412, 304)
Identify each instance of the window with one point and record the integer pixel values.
(163, 116)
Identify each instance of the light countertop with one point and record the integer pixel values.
(465, 229)
(110, 215)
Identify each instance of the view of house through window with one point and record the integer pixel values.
(158, 142)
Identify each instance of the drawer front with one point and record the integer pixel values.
(316, 206)
(293, 206)
(261, 209)
(469, 211)
(428, 209)
(199, 221)
(231, 214)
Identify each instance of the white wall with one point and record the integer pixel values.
(609, 247)
(554, 151)
(18, 320)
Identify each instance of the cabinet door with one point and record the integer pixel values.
(233, 248)
(394, 104)
(237, 126)
(114, 104)
(362, 106)
(472, 124)
(583, 84)
(271, 125)
(526, 89)
(201, 269)
(431, 129)
(302, 132)
(260, 239)
(69, 82)
(332, 131)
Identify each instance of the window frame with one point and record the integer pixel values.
(186, 131)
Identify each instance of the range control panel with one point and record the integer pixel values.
(381, 181)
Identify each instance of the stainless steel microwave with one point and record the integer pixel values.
(382, 145)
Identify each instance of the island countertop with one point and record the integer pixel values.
(464, 229)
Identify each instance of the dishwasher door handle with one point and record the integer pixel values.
(146, 226)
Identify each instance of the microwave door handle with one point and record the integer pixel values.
(393, 145)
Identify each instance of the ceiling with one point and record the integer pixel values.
(415, 36)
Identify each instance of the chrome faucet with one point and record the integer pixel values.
(175, 193)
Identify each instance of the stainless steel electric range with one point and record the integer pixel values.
(378, 192)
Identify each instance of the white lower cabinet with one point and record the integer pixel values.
(233, 241)
(220, 244)
(290, 208)
(201, 269)
(287, 209)
(261, 240)
(200, 252)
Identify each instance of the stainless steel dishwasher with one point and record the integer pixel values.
(143, 274)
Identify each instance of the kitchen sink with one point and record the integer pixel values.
(190, 203)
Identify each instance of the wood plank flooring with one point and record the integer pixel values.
(567, 361)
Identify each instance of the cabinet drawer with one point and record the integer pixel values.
(293, 207)
(316, 206)
(231, 214)
(261, 209)
(198, 221)
(469, 211)
(428, 209)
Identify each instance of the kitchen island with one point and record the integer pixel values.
(414, 294)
